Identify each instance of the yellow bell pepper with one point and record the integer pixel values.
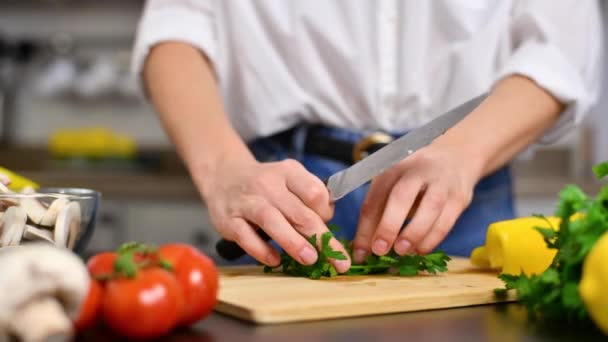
(594, 281)
(514, 246)
(18, 182)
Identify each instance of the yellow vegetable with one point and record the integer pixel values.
(594, 282)
(18, 182)
(514, 246)
(95, 142)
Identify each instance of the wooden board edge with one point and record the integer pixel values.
(235, 311)
(261, 316)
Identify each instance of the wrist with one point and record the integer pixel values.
(473, 159)
(209, 172)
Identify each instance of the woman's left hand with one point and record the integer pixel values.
(433, 187)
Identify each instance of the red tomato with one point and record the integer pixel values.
(145, 306)
(101, 264)
(198, 279)
(89, 312)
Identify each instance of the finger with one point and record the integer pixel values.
(371, 211)
(441, 228)
(309, 189)
(272, 221)
(398, 205)
(430, 208)
(308, 223)
(245, 236)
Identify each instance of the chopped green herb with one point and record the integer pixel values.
(408, 265)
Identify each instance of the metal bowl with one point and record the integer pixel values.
(88, 199)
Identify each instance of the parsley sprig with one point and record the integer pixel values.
(407, 265)
(554, 294)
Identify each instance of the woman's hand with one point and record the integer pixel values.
(434, 185)
(281, 198)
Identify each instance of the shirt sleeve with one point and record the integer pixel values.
(558, 44)
(188, 21)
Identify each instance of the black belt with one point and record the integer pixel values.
(319, 143)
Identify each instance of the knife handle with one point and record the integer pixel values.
(231, 251)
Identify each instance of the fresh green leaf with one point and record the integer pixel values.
(334, 228)
(408, 265)
(601, 170)
(335, 255)
(408, 270)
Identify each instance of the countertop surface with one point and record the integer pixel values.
(505, 322)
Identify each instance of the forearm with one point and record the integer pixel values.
(515, 114)
(182, 87)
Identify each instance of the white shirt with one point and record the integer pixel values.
(387, 64)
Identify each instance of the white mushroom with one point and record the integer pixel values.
(50, 216)
(7, 202)
(4, 179)
(67, 226)
(4, 189)
(34, 209)
(28, 190)
(13, 227)
(47, 287)
(33, 233)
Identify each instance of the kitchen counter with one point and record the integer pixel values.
(505, 322)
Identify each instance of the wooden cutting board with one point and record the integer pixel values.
(248, 293)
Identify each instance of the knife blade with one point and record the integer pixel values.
(343, 182)
(347, 180)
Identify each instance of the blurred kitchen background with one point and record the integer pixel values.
(64, 76)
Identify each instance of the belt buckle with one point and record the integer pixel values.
(360, 150)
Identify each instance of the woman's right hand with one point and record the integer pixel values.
(282, 198)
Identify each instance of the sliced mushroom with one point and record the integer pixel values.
(13, 227)
(4, 179)
(1, 228)
(6, 203)
(50, 216)
(67, 226)
(4, 189)
(34, 209)
(28, 190)
(33, 233)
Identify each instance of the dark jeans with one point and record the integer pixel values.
(492, 201)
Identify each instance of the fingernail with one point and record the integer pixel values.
(359, 255)
(402, 246)
(308, 255)
(380, 246)
(272, 259)
(341, 265)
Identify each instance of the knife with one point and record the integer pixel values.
(343, 182)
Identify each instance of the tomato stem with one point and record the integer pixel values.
(166, 265)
